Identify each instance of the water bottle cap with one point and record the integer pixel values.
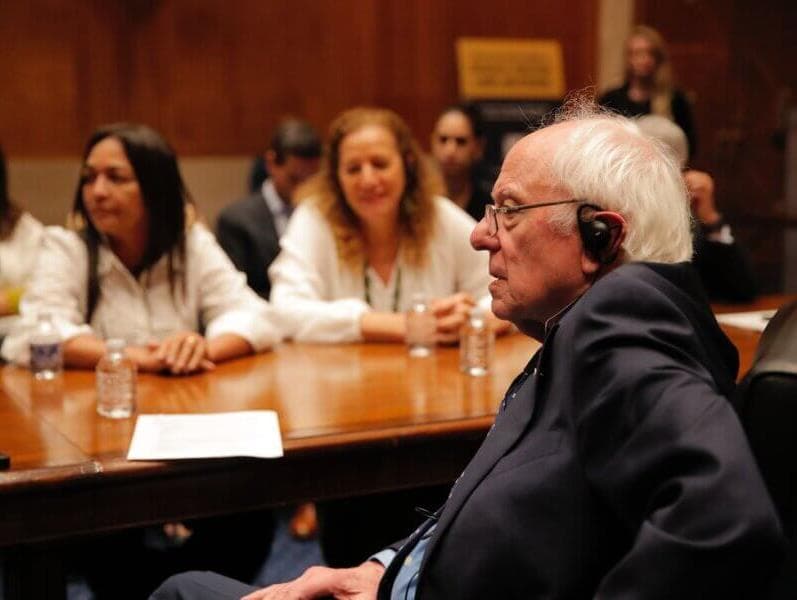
(115, 344)
(478, 312)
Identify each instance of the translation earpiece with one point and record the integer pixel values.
(596, 234)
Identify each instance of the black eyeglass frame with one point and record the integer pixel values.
(491, 210)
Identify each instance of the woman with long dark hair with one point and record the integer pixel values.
(457, 145)
(137, 255)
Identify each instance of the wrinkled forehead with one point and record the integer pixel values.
(527, 167)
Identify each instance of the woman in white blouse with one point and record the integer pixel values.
(137, 270)
(20, 236)
(371, 233)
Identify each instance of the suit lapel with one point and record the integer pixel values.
(509, 426)
(264, 219)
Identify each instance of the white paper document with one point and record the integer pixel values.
(755, 320)
(213, 435)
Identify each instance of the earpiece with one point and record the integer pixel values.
(596, 234)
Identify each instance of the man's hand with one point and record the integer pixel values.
(450, 314)
(701, 194)
(359, 583)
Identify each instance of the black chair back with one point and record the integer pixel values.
(767, 404)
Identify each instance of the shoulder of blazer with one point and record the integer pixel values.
(249, 212)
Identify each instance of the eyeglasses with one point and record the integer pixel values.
(491, 212)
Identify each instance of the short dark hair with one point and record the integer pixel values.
(162, 191)
(294, 137)
(472, 113)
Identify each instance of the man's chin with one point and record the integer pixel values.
(500, 310)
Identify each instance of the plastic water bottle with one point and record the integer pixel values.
(116, 382)
(420, 327)
(46, 357)
(476, 344)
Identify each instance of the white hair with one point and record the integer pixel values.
(668, 133)
(605, 160)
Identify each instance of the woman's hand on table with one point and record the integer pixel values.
(180, 353)
(450, 314)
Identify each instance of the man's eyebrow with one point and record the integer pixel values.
(505, 192)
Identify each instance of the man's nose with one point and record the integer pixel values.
(481, 239)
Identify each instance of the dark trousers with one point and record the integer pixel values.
(128, 565)
(201, 585)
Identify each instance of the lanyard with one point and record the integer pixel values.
(396, 290)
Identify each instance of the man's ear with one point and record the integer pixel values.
(595, 257)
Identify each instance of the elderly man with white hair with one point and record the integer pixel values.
(616, 467)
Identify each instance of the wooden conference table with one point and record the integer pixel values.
(354, 419)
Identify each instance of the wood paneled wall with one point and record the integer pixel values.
(736, 60)
(214, 76)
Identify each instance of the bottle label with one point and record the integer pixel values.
(45, 357)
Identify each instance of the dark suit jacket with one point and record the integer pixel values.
(618, 468)
(724, 270)
(245, 229)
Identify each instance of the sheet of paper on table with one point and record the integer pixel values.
(213, 435)
(755, 320)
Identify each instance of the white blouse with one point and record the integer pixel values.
(318, 299)
(19, 250)
(217, 300)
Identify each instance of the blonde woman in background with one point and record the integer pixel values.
(372, 232)
(648, 88)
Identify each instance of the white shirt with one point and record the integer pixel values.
(18, 254)
(19, 250)
(217, 299)
(318, 299)
(277, 206)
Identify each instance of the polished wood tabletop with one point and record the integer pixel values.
(354, 419)
(746, 340)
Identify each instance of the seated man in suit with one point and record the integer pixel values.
(720, 262)
(249, 229)
(616, 467)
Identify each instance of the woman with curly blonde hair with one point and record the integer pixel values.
(371, 232)
(648, 87)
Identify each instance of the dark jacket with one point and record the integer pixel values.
(618, 468)
(246, 231)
